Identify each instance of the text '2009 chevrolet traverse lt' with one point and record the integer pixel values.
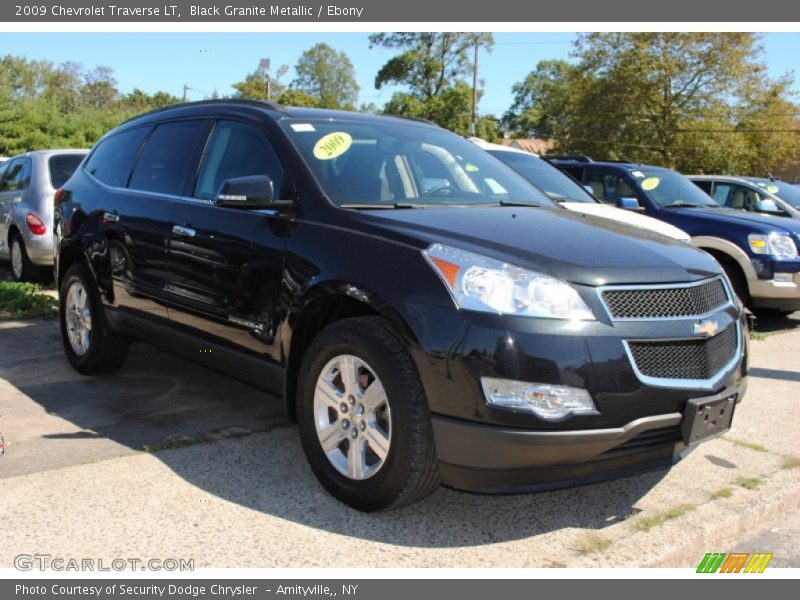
(428, 315)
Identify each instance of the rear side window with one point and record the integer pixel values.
(61, 167)
(112, 159)
(236, 150)
(165, 161)
(17, 175)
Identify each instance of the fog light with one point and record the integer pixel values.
(784, 277)
(547, 401)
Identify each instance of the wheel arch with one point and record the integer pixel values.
(725, 250)
(325, 304)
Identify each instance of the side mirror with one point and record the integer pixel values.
(252, 191)
(768, 206)
(629, 203)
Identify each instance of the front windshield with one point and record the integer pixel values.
(668, 188)
(390, 163)
(785, 191)
(546, 177)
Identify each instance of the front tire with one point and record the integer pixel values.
(90, 344)
(363, 419)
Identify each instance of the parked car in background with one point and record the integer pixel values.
(740, 193)
(758, 252)
(568, 193)
(789, 193)
(27, 184)
(425, 318)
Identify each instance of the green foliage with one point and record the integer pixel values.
(298, 98)
(254, 87)
(695, 102)
(434, 67)
(23, 301)
(47, 106)
(327, 75)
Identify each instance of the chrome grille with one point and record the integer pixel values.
(686, 359)
(666, 302)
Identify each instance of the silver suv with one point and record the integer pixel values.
(27, 184)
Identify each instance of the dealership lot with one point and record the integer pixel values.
(167, 459)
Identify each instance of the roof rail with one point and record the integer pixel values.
(254, 103)
(408, 118)
(576, 157)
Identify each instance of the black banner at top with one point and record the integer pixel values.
(443, 11)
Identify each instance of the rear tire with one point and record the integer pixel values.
(90, 344)
(22, 269)
(332, 412)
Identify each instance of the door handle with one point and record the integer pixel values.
(181, 230)
(110, 217)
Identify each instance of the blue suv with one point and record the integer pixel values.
(758, 252)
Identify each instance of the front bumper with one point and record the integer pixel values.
(491, 459)
(781, 295)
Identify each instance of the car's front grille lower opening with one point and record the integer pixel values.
(686, 359)
(666, 302)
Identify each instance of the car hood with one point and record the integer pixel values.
(627, 216)
(759, 222)
(576, 247)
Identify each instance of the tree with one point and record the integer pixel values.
(434, 68)
(47, 106)
(328, 76)
(690, 101)
(253, 87)
(298, 98)
(541, 101)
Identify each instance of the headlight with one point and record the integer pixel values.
(549, 402)
(477, 282)
(778, 245)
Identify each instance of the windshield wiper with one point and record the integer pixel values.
(385, 205)
(680, 204)
(506, 203)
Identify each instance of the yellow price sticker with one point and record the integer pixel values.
(650, 183)
(773, 189)
(332, 145)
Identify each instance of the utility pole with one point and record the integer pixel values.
(185, 92)
(473, 126)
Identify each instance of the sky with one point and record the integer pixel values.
(213, 61)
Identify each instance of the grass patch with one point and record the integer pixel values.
(650, 521)
(791, 462)
(757, 336)
(744, 444)
(594, 543)
(722, 493)
(749, 483)
(23, 301)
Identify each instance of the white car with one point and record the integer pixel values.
(568, 193)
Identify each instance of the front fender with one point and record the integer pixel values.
(730, 249)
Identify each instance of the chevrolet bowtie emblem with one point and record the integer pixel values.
(706, 328)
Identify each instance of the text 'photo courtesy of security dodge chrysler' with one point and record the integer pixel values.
(428, 316)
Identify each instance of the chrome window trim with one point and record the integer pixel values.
(695, 384)
(666, 286)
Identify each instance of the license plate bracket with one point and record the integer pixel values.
(705, 418)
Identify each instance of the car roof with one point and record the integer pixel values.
(727, 178)
(483, 144)
(271, 110)
(622, 166)
(49, 152)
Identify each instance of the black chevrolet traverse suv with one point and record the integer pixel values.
(428, 315)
